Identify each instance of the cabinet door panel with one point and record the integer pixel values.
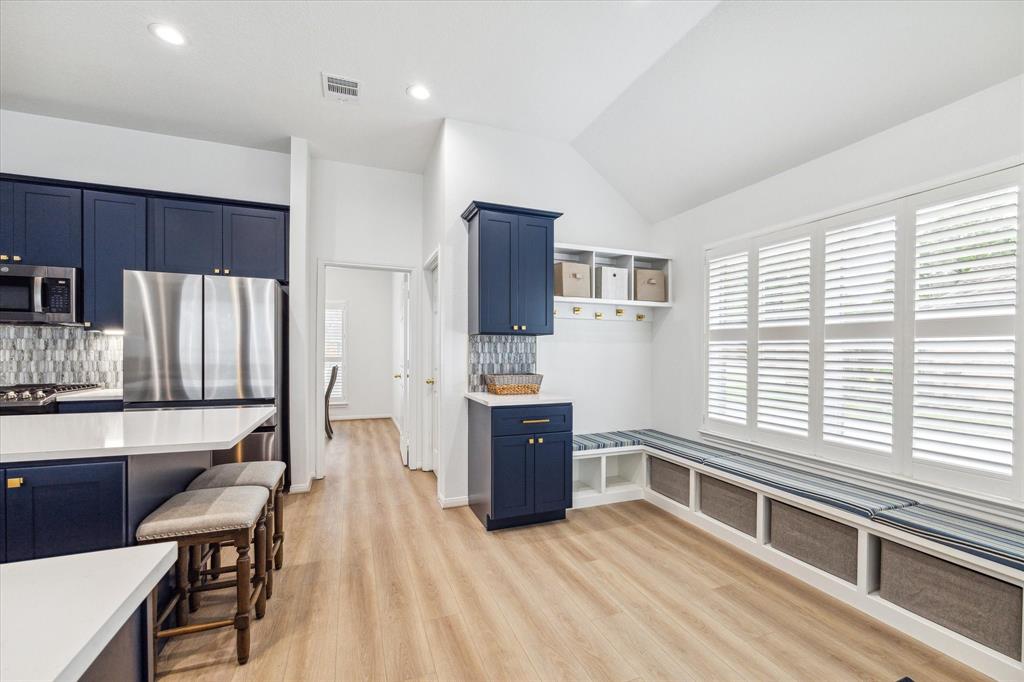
(498, 299)
(65, 509)
(114, 229)
(3, 516)
(255, 242)
(553, 472)
(185, 236)
(6, 220)
(535, 281)
(512, 477)
(47, 225)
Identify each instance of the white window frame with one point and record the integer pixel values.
(342, 362)
(900, 464)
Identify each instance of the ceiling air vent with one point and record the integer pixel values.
(337, 87)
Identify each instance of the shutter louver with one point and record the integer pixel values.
(860, 272)
(782, 386)
(784, 284)
(334, 350)
(727, 381)
(727, 292)
(967, 257)
(963, 402)
(858, 393)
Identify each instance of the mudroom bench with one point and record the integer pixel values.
(953, 581)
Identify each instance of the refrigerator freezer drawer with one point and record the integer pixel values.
(258, 446)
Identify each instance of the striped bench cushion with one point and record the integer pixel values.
(982, 538)
(853, 498)
(583, 442)
(692, 450)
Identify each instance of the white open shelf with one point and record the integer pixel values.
(594, 256)
(607, 477)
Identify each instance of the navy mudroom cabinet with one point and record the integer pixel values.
(511, 269)
(40, 224)
(59, 509)
(200, 238)
(113, 240)
(520, 463)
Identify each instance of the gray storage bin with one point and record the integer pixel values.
(730, 504)
(670, 480)
(820, 542)
(973, 604)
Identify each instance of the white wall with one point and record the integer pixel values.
(981, 131)
(369, 337)
(597, 364)
(71, 150)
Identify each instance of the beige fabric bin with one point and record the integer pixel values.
(670, 480)
(732, 505)
(815, 540)
(649, 285)
(572, 279)
(976, 605)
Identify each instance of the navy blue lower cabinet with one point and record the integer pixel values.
(61, 509)
(520, 464)
(3, 516)
(89, 406)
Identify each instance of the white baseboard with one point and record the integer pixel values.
(300, 487)
(350, 417)
(450, 502)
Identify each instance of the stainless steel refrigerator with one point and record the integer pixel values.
(205, 341)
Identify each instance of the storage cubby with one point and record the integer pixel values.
(586, 476)
(670, 480)
(620, 258)
(732, 505)
(813, 539)
(624, 471)
(605, 478)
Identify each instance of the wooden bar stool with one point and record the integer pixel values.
(199, 517)
(269, 475)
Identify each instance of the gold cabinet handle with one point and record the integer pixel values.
(216, 271)
(531, 441)
(227, 271)
(17, 259)
(430, 381)
(535, 421)
(4, 256)
(523, 327)
(540, 440)
(515, 327)
(15, 482)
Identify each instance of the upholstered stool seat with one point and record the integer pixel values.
(195, 512)
(265, 474)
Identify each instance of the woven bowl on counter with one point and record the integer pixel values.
(513, 384)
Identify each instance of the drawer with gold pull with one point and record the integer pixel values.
(515, 421)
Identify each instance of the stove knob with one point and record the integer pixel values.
(39, 395)
(25, 395)
(9, 395)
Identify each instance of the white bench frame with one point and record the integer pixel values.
(862, 596)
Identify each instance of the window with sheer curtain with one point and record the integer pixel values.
(335, 318)
(883, 338)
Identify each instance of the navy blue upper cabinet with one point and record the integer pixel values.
(42, 226)
(511, 269)
(114, 240)
(64, 509)
(185, 236)
(255, 243)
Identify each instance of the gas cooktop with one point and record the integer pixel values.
(37, 395)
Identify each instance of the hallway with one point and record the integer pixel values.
(379, 583)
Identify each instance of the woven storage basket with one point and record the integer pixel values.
(513, 384)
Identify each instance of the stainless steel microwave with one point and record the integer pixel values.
(32, 294)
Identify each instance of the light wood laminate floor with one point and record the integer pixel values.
(381, 584)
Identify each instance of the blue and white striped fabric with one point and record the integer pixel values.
(598, 441)
(852, 498)
(692, 450)
(988, 540)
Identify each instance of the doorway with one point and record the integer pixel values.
(431, 391)
(365, 329)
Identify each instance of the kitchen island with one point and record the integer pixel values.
(83, 482)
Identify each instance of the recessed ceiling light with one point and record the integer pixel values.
(167, 33)
(418, 91)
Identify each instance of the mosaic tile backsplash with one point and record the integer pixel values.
(500, 355)
(64, 355)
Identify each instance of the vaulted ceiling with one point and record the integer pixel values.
(675, 103)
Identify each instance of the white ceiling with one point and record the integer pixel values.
(758, 88)
(250, 74)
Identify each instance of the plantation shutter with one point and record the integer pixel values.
(727, 380)
(857, 407)
(784, 284)
(860, 272)
(728, 319)
(334, 349)
(964, 349)
(727, 292)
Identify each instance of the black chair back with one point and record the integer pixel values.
(327, 402)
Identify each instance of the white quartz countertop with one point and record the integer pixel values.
(92, 394)
(38, 437)
(491, 400)
(59, 613)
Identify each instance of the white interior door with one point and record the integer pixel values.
(435, 374)
(404, 365)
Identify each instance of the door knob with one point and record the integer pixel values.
(397, 376)
(430, 381)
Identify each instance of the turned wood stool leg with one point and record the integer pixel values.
(279, 526)
(215, 561)
(243, 587)
(261, 566)
(195, 559)
(270, 546)
(181, 608)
